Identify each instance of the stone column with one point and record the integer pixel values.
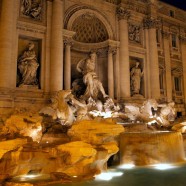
(116, 77)
(150, 24)
(48, 47)
(56, 57)
(183, 52)
(7, 39)
(123, 16)
(67, 65)
(168, 76)
(110, 73)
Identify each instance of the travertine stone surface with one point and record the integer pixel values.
(56, 57)
(8, 145)
(24, 125)
(95, 132)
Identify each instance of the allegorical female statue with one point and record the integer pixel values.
(28, 65)
(136, 75)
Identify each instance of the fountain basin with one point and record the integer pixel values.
(147, 148)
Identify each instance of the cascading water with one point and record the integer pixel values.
(147, 148)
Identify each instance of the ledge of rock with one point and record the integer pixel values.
(24, 125)
(95, 132)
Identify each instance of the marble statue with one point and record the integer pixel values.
(136, 75)
(94, 87)
(32, 8)
(142, 113)
(166, 114)
(65, 108)
(28, 65)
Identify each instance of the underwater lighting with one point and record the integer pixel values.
(163, 166)
(26, 177)
(106, 176)
(30, 176)
(127, 166)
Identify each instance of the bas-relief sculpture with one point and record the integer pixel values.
(136, 75)
(32, 8)
(134, 33)
(28, 65)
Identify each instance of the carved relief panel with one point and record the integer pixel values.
(32, 10)
(134, 33)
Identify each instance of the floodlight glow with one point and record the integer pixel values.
(106, 176)
(127, 166)
(30, 176)
(163, 166)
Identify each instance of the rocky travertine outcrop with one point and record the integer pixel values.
(9, 145)
(23, 125)
(96, 132)
(102, 134)
(91, 144)
(179, 127)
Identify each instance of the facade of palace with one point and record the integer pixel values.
(140, 48)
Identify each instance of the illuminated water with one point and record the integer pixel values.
(175, 176)
(146, 148)
(159, 175)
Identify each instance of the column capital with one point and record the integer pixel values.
(182, 38)
(166, 34)
(111, 50)
(151, 22)
(122, 13)
(68, 41)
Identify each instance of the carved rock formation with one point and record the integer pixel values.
(23, 125)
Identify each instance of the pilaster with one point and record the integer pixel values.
(56, 62)
(7, 42)
(123, 16)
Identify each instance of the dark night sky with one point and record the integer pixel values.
(178, 3)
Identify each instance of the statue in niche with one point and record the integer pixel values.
(94, 87)
(32, 8)
(28, 65)
(136, 75)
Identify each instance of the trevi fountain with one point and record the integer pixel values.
(82, 136)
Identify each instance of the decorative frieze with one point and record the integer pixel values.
(122, 13)
(151, 22)
(31, 29)
(134, 33)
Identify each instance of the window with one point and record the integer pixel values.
(171, 13)
(161, 81)
(157, 36)
(174, 41)
(177, 83)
